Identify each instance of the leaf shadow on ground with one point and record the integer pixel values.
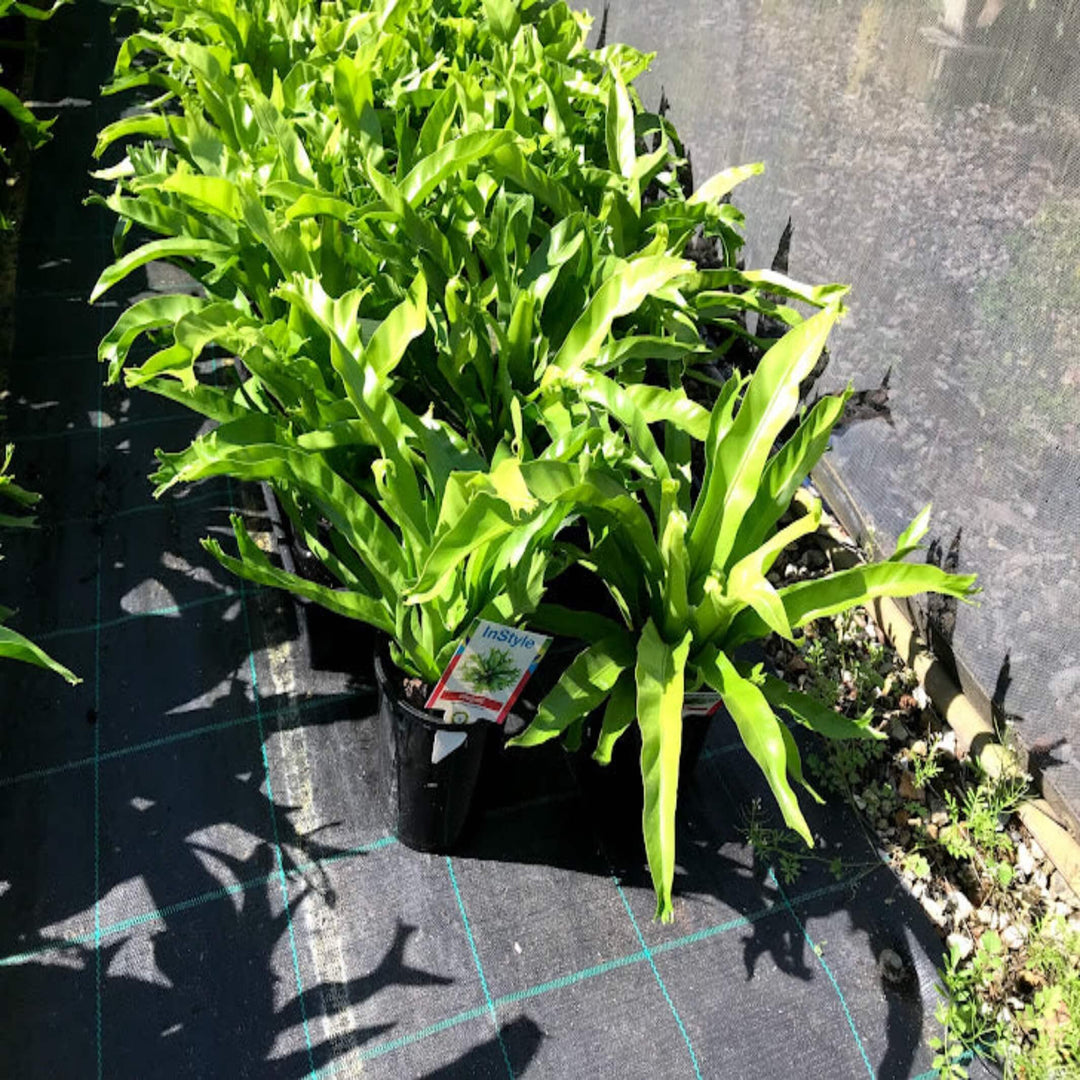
(548, 808)
(201, 867)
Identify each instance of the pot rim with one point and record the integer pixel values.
(383, 666)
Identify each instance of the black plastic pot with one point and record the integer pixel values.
(619, 783)
(429, 803)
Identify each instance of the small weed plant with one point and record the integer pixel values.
(928, 768)
(782, 848)
(845, 668)
(1010, 985)
(1036, 1038)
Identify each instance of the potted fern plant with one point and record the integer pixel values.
(423, 535)
(688, 574)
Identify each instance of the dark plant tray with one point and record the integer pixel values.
(334, 642)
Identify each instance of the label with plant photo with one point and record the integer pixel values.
(701, 703)
(487, 671)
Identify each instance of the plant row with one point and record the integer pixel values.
(447, 312)
(16, 501)
(15, 504)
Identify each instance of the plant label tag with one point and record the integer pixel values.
(445, 743)
(487, 672)
(701, 703)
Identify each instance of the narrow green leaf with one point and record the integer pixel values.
(659, 675)
(812, 714)
(40, 14)
(619, 713)
(420, 231)
(768, 281)
(660, 405)
(149, 314)
(509, 163)
(619, 129)
(716, 187)
(212, 402)
(565, 622)
(451, 157)
(809, 600)
(171, 248)
(625, 350)
(583, 687)
(909, 539)
(739, 459)
(674, 598)
(786, 471)
(213, 193)
(437, 123)
(314, 204)
(622, 293)
(794, 763)
(13, 646)
(484, 519)
(553, 481)
(747, 581)
(255, 566)
(504, 18)
(760, 732)
(406, 322)
(151, 125)
(600, 390)
(248, 450)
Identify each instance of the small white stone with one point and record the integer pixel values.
(891, 966)
(935, 910)
(517, 948)
(961, 944)
(947, 746)
(986, 916)
(919, 694)
(960, 906)
(1012, 937)
(1025, 861)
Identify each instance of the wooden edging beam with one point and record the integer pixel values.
(974, 734)
(977, 737)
